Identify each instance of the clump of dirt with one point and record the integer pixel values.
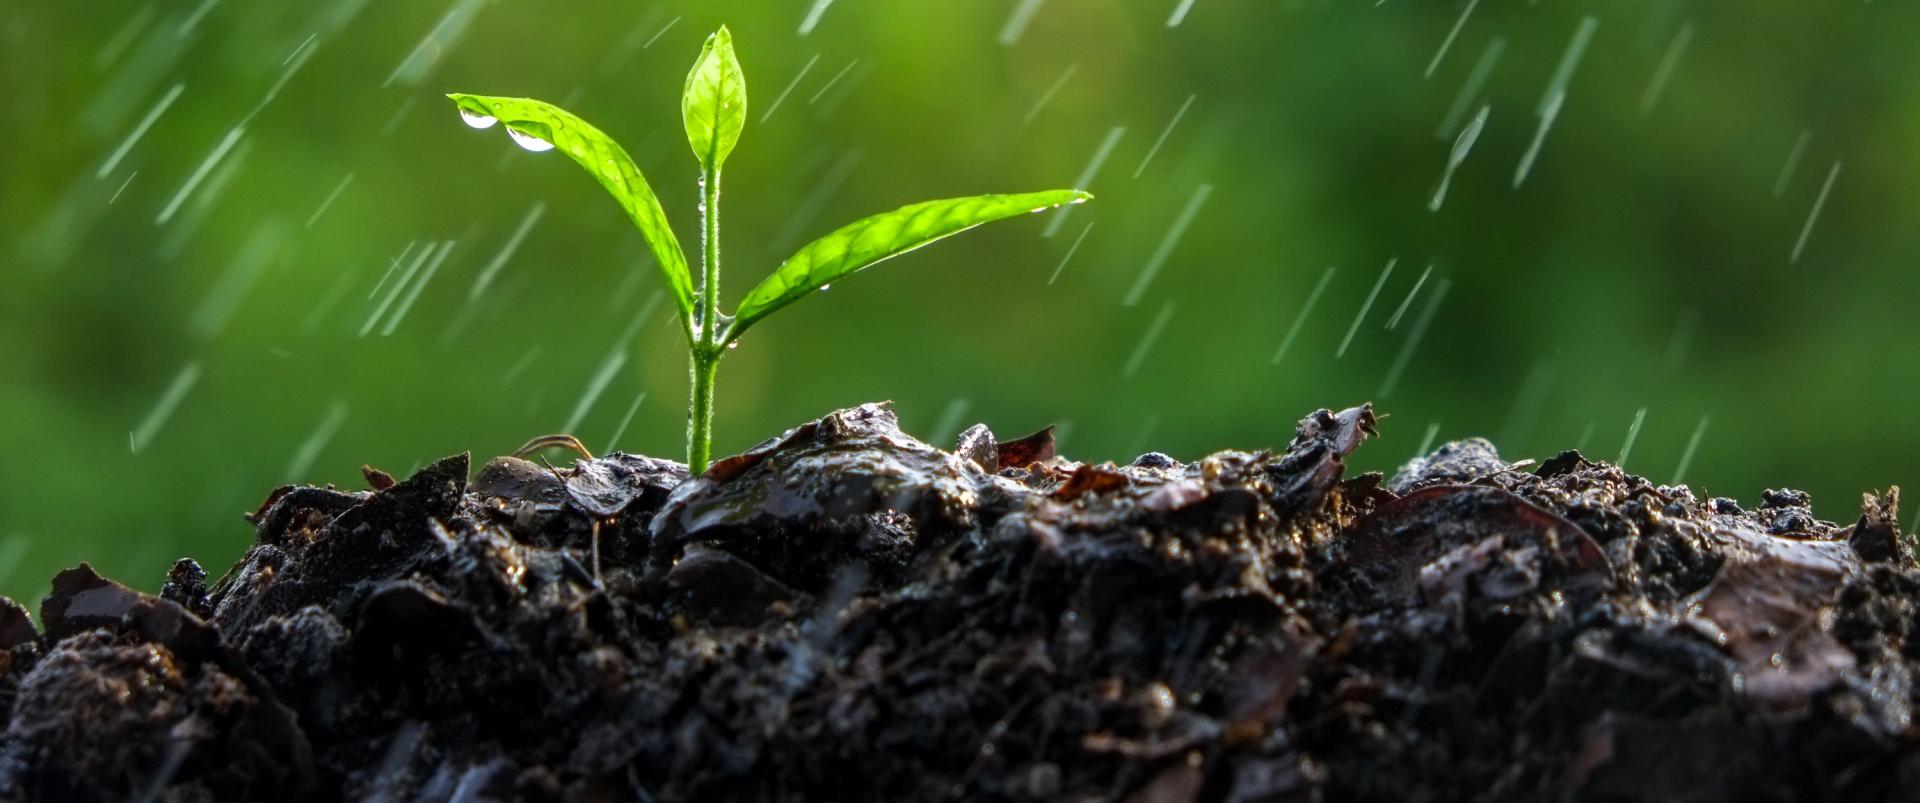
(847, 613)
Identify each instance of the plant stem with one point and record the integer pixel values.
(700, 413)
(710, 250)
(706, 349)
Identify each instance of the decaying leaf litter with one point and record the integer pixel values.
(847, 613)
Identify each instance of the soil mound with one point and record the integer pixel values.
(847, 613)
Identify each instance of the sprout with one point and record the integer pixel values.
(714, 109)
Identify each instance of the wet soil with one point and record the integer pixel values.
(846, 613)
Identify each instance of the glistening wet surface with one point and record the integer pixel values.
(847, 613)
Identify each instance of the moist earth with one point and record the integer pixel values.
(847, 613)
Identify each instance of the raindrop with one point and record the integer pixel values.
(310, 449)
(1586, 436)
(949, 423)
(393, 264)
(1167, 243)
(1313, 300)
(475, 119)
(140, 130)
(790, 85)
(818, 8)
(124, 38)
(1568, 62)
(1408, 301)
(1693, 443)
(1814, 213)
(330, 299)
(1047, 96)
(1070, 250)
(331, 197)
(193, 19)
(163, 409)
(123, 187)
(613, 443)
(1793, 161)
(506, 252)
(816, 200)
(1179, 14)
(1633, 432)
(597, 385)
(1364, 307)
(1470, 90)
(1163, 135)
(200, 174)
(1681, 342)
(528, 141)
(521, 365)
(1154, 329)
(1085, 179)
(1017, 22)
(663, 32)
(831, 81)
(1426, 442)
(1664, 72)
(406, 278)
(1447, 43)
(399, 116)
(1461, 147)
(1548, 113)
(414, 294)
(1527, 405)
(221, 302)
(435, 45)
(1413, 338)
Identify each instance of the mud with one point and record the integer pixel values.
(847, 613)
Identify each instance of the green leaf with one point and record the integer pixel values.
(551, 125)
(715, 103)
(870, 240)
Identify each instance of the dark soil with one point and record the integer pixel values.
(846, 613)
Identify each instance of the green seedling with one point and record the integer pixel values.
(714, 108)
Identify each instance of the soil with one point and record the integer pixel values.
(846, 613)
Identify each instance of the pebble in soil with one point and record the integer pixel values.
(847, 613)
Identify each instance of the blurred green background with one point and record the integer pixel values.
(239, 241)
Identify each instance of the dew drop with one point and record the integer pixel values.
(529, 141)
(734, 345)
(475, 119)
(825, 287)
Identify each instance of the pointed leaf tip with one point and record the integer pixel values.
(714, 105)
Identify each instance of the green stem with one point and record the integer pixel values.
(700, 413)
(706, 348)
(710, 249)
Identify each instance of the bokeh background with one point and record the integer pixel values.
(248, 243)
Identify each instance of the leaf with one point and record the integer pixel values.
(607, 161)
(870, 240)
(715, 103)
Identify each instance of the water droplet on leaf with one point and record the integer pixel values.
(734, 345)
(825, 287)
(529, 141)
(475, 119)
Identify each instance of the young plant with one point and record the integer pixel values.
(714, 108)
